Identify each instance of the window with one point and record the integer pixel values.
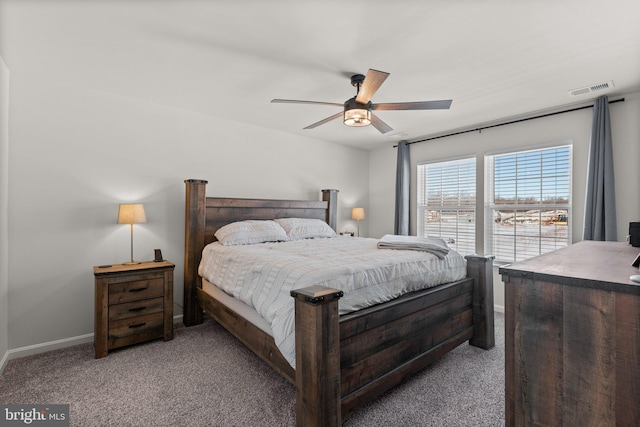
(447, 203)
(528, 202)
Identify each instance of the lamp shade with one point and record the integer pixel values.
(357, 213)
(131, 213)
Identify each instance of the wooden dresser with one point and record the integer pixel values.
(572, 338)
(134, 303)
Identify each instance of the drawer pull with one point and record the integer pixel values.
(137, 325)
(138, 289)
(137, 308)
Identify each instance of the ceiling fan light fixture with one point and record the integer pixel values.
(357, 117)
(356, 114)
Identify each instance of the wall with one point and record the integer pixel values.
(4, 229)
(77, 153)
(575, 127)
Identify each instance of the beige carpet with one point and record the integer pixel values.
(205, 377)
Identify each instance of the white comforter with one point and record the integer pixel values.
(263, 275)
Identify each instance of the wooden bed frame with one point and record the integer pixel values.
(341, 361)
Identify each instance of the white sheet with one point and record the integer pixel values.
(263, 275)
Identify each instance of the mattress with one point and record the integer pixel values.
(263, 275)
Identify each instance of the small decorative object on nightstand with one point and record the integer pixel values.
(134, 303)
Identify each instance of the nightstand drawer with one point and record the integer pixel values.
(136, 329)
(136, 308)
(136, 290)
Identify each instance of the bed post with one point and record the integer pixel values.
(318, 399)
(480, 268)
(331, 196)
(194, 230)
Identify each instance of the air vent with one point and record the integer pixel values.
(398, 135)
(592, 88)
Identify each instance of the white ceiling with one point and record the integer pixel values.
(229, 58)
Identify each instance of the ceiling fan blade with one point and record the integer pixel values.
(424, 105)
(294, 101)
(328, 119)
(372, 83)
(379, 124)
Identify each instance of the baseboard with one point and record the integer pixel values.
(48, 346)
(54, 345)
(498, 308)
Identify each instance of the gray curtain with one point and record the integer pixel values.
(403, 178)
(600, 206)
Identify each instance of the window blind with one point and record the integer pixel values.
(528, 196)
(447, 202)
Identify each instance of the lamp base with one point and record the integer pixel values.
(132, 263)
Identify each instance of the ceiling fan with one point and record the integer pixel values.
(358, 110)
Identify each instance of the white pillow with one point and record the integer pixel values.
(305, 228)
(250, 232)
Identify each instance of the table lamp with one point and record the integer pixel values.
(357, 214)
(131, 213)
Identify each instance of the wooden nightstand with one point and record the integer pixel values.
(134, 303)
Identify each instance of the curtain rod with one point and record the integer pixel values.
(478, 129)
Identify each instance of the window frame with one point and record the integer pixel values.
(491, 206)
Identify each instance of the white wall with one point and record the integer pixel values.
(76, 154)
(4, 229)
(574, 127)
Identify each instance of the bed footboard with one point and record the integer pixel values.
(370, 351)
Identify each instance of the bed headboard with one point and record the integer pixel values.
(205, 215)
